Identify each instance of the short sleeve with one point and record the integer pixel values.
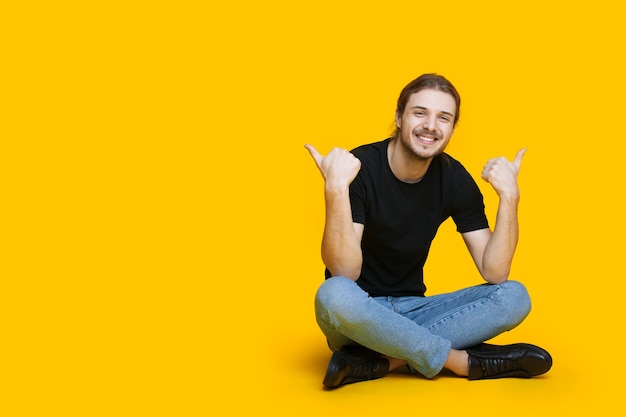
(468, 207)
(357, 199)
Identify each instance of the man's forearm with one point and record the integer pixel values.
(341, 247)
(498, 256)
(499, 251)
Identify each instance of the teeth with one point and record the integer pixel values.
(426, 139)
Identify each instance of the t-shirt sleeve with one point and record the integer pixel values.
(469, 208)
(357, 199)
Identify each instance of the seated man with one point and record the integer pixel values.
(384, 204)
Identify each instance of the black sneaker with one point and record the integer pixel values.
(354, 364)
(519, 360)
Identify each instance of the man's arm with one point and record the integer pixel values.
(341, 242)
(493, 252)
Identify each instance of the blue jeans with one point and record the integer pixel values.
(420, 330)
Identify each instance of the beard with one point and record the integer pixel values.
(420, 153)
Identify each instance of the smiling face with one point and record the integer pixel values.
(426, 124)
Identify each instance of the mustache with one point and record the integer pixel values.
(424, 132)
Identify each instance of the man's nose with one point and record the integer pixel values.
(429, 123)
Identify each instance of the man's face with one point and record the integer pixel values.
(427, 123)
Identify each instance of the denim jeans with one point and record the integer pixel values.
(420, 330)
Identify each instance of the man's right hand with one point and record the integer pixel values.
(339, 168)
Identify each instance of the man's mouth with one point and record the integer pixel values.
(426, 138)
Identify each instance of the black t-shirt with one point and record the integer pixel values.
(400, 219)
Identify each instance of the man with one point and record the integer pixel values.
(384, 204)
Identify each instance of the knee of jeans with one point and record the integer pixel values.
(517, 300)
(330, 294)
(332, 298)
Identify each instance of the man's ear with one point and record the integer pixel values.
(398, 118)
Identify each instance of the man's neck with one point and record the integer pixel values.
(406, 167)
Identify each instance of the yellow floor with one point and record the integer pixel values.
(297, 368)
(288, 360)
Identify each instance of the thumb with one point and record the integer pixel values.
(315, 154)
(518, 158)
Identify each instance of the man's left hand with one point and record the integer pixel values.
(502, 174)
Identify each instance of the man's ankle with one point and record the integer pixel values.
(458, 362)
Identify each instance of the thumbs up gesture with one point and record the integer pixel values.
(339, 167)
(502, 174)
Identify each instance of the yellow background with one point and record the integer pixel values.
(161, 219)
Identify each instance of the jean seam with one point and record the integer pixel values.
(456, 314)
(465, 309)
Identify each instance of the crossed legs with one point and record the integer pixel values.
(427, 333)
